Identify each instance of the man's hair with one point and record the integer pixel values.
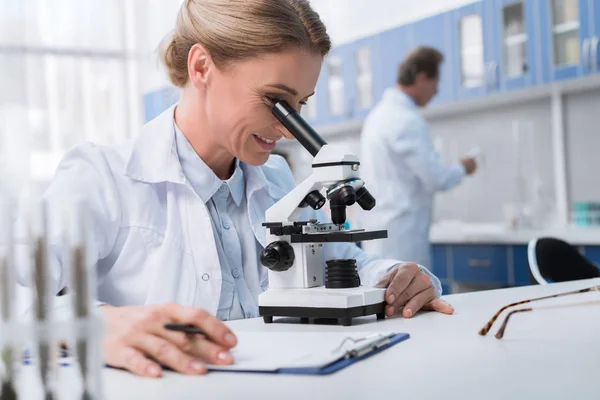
(421, 59)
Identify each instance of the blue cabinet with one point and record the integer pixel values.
(592, 253)
(487, 264)
(439, 261)
(480, 264)
(334, 102)
(436, 32)
(594, 21)
(499, 265)
(349, 83)
(520, 265)
(473, 46)
(321, 99)
(516, 57)
(569, 42)
(394, 44)
(446, 289)
(363, 84)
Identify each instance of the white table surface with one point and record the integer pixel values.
(553, 353)
(469, 233)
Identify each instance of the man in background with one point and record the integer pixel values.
(400, 164)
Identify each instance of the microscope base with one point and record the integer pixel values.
(341, 305)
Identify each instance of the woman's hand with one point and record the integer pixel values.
(135, 339)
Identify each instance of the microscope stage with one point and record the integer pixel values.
(321, 302)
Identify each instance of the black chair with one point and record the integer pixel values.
(554, 260)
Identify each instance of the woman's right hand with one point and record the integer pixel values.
(135, 339)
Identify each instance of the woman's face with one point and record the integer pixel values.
(238, 100)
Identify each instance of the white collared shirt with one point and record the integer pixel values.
(236, 245)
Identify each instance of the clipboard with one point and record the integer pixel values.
(349, 351)
(351, 356)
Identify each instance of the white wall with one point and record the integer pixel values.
(154, 21)
(517, 166)
(348, 20)
(582, 122)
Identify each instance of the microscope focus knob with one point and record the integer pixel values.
(278, 256)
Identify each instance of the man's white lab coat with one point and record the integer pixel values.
(403, 171)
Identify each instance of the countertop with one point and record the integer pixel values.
(471, 233)
(553, 353)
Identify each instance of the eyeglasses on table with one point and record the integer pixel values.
(488, 326)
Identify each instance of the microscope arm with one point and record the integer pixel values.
(286, 209)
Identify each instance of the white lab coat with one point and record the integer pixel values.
(403, 171)
(151, 238)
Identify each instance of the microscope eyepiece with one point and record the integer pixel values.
(282, 109)
(298, 127)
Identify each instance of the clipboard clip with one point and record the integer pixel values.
(363, 345)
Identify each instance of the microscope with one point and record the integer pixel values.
(298, 286)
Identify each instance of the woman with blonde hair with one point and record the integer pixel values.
(177, 212)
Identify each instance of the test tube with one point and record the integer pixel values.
(82, 284)
(7, 293)
(80, 289)
(38, 226)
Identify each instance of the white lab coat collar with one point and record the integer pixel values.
(153, 158)
(396, 95)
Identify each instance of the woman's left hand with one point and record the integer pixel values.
(409, 287)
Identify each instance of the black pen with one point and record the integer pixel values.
(185, 328)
